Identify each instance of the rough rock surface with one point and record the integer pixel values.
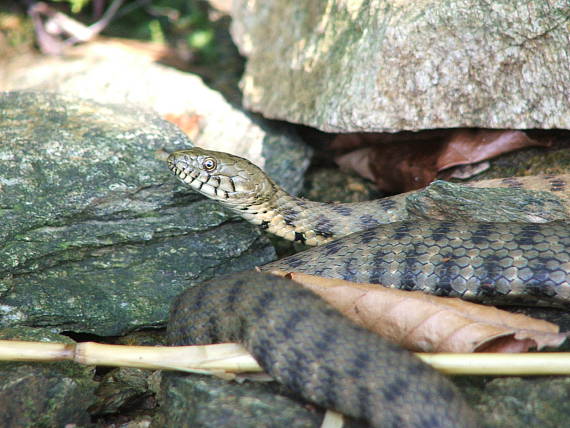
(191, 401)
(519, 402)
(113, 72)
(362, 65)
(44, 395)
(123, 389)
(96, 234)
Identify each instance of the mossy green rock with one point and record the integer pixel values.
(519, 402)
(123, 389)
(44, 394)
(450, 201)
(202, 401)
(96, 233)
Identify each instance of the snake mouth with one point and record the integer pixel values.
(184, 173)
(199, 183)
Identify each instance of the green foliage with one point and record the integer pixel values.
(76, 5)
(156, 33)
(201, 39)
(16, 32)
(200, 32)
(163, 21)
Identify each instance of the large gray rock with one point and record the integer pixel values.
(113, 72)
(96, 234)
(388, 66)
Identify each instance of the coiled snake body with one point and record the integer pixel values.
(492, 262)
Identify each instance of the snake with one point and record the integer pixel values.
(496, 263)
(305, 344)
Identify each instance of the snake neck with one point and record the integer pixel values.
(315, 223)
(284, 215)
(245, 189)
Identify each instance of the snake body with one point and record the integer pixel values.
(245, 189)
(319, 354)
(497, 263)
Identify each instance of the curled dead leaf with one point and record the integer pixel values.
(413, 163)
(426, 323)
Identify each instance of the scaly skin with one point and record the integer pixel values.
(247, 190)
(311, 348)
(499, 263)
(317, 353)
(493, 263)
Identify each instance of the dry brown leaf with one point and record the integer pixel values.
(188, 123)
(464, 172)
(421, 322)
(410, 165)
(466, 146)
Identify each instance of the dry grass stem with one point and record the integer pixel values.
(229, 358)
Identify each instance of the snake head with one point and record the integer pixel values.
(229, 179)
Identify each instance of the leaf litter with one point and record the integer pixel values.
(425, 323)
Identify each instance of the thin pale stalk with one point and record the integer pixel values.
(18, 350)
(225, 357)
(233, 358)
(502, 364)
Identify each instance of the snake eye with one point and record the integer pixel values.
(209, 164)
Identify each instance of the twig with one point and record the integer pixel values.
(57, 24)
(501, 364)
(98, 26)
(231, 358)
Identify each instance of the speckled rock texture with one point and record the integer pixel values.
(44, 395)
(202, 401)
(96, 234)
(111, 72)
(362, 65)
(513, 402)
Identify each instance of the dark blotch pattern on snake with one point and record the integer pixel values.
(497, 263)
(304, 343)
(287, 331)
